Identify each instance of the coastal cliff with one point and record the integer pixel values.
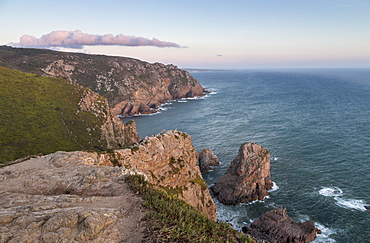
(169, 161)
(44, 115)
(130, 85)
(78, 197)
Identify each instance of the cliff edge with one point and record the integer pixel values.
(43, 115)
(130, 85)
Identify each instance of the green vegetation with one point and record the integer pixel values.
(172, 220)
(199, 180)
(134, 149)
(41, 115)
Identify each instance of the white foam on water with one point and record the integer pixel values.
(161, 108)
(324, 237)
(351, 204)
(182, 101)
(331, 192)
(347, 203)
(274, 187)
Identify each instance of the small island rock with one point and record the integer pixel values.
(247, 178)
(276, 226)
(206, 159)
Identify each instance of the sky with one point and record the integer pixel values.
(236, 34)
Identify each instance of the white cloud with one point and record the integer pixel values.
(77, 39)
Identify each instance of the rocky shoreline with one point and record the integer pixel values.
(81, 196)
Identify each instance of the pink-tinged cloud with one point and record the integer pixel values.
(77, 39)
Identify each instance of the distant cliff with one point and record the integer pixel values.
(130, 85)
(44, 115)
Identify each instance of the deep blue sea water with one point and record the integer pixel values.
(316, 125)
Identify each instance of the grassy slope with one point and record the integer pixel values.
(172, 220)
(39, 115)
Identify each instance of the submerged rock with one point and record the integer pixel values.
(206, 159)
(276, 226)
(247, 178)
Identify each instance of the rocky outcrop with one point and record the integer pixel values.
(247, 178)
(276, 226)
(206, 159)
(115, 133)
(130, 85)
(67, 197)
(169, 161)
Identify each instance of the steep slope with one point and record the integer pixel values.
(71, 197)
(43, 115)
(130, 85)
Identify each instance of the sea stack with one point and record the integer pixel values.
(206, 159)
(247, 178)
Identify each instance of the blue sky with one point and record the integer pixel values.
(216, 34)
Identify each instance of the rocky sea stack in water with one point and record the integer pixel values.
(276, 226)
(206, 159)
(247, 178)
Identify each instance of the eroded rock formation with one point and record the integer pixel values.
(276, 226)
(206, 159)
(170, 161)
(247, 178)
(115, 133)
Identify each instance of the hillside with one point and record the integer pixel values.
(130, 85)
(44, 115)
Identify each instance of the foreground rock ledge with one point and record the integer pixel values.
(63, 197)
(276, 226)
(247, 178)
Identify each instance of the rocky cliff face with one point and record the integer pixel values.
(276, 226)
(130, 85)
(247, 178)
(115, 133)
(169, 161)
(43, 114)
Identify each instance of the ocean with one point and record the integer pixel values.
(314, 122)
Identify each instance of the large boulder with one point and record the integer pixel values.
(276, 226)
(206, 159)
(247, 178)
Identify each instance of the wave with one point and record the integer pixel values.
(351, 204)
(324, 237)
(347, 203)
(162, 108)
(274, 187)
(331, 191)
